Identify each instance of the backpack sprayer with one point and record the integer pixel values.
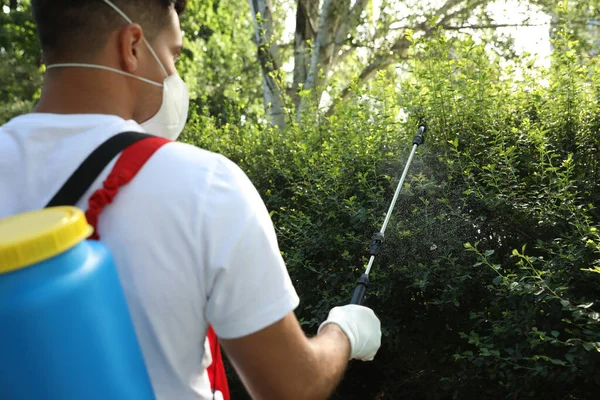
(359, 295)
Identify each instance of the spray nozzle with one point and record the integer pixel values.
(420, 137)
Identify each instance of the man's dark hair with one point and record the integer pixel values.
(69, 29)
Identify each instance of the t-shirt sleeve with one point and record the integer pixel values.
(247, 284)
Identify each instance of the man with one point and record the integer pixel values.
(191, 237)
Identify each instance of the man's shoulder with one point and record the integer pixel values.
(183, 158)
(187, 172)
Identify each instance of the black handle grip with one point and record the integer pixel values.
(378, 239)
(420, 138)
(360, 292)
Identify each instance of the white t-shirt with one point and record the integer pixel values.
(192, 240)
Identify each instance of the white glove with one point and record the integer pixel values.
(362, 328)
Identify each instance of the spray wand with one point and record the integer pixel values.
(359, 295)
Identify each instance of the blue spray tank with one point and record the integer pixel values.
(65, 328)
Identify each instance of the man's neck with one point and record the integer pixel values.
(81, 91)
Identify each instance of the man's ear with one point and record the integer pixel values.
(131, 39)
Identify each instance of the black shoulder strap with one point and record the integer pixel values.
(92, 167)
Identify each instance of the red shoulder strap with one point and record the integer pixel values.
(129, 163)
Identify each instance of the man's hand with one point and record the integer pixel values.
(362, 328)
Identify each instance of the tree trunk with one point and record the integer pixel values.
(268, 57)
(324, 36)
(337, 19)
(306, 23)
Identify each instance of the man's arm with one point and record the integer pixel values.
(280, 362)
(250, 301)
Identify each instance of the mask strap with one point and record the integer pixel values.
(156, 58)
(64, 65)
(114, 7)
(118, 10)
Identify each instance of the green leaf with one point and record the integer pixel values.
(554, 333)
(588, 346)
(570, 358)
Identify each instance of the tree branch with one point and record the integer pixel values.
(381, 61)
(349, 23)
(486, 26)
(450, 4)
(468, 8)
(472, 26)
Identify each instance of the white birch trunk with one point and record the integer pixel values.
(268, 58)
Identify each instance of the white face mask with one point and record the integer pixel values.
(170, 119)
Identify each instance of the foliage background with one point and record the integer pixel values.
(489, 279)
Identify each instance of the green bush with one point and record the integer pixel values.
(485, 285)
(20, 63)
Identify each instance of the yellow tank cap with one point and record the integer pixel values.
(29, 238)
